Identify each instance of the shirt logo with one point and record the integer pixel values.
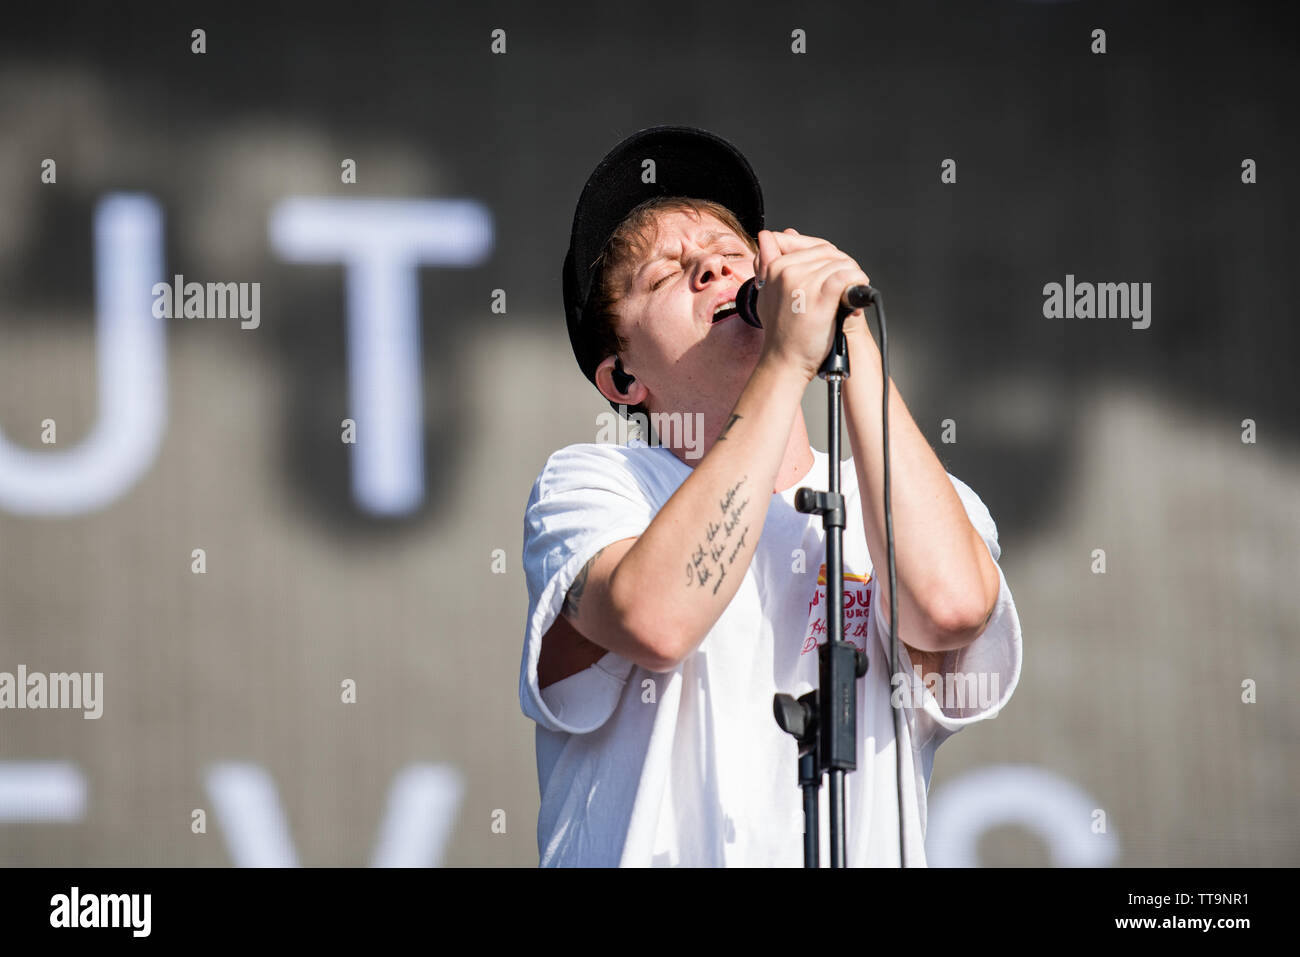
(857, 611)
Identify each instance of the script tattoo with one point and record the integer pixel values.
(723, 539)
(574, 596)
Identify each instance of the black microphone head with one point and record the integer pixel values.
(859, 297)
(747, 303)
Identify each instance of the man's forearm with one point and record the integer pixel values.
(947, 582)
(682, 572)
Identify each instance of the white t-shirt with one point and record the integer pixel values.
(688, 767)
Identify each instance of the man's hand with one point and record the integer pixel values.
(804, 279)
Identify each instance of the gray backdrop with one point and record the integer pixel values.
(223, 691)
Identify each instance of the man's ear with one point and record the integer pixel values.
(617, 384)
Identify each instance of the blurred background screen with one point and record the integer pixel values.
(310, 646)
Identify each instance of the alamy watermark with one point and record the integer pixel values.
(214, 300)
(129, 911)
(682, 430)
(963, 689)
(1102, 300)
(37, 690)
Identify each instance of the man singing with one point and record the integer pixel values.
(672, 594)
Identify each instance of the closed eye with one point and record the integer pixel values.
(663, 279)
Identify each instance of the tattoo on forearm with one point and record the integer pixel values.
(723, 540)
(727, 428)
(574, 597)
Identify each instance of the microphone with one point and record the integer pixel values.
(855, 297)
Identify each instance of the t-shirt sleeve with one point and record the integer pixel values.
(977, 680)
(586, 497)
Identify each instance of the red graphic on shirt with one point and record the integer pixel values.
(857, 611)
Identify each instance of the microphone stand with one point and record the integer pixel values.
(824, 721)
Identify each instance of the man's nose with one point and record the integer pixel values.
(712, 267)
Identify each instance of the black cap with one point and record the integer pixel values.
(687, 162)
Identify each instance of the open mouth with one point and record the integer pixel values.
(725, 313)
